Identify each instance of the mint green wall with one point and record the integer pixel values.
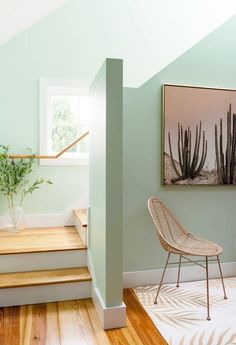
(105, 181)
(207, 211)
(49, 49)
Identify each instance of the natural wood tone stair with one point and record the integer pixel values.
(41, 240)
(81, 214)
(46, 277)
(34, 260)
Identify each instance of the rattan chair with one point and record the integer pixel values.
(175, 239)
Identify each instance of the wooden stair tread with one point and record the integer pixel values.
(41, 240)
(45, 277)
(81, 214)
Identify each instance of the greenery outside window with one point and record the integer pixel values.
(64, 116)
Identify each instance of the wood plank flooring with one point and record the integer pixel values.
(75, 323)
(40, 240)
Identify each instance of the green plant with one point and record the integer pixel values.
(13, 177)
(226, 161)
(190, 165)
(64, 125)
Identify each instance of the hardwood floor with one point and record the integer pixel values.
(75, 323)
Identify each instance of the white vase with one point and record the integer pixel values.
(15, 219)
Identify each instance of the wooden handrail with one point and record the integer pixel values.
(51, 157)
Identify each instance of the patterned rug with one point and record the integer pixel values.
(180, 313)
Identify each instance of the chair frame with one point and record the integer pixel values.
(197, 262)
(182, 255)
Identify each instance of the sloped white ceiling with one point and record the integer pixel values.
(147, 34)
(17, 15)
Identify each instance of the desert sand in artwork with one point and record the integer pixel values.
(207, 177)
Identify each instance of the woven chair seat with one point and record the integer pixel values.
(193, 245)
(174, 238)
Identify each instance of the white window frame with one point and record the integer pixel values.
(45, 85)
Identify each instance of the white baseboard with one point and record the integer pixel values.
(63, 218)
(188, 273)
(44, 293)
(114, 317)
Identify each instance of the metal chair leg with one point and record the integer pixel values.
(162, 277)
(180, 257)
(221, 276)
(208, 299)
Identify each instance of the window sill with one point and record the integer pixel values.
(72, 161)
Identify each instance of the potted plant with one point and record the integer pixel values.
(15, 186)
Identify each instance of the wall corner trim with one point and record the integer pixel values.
(112, 317)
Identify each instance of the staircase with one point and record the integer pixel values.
(45, 264)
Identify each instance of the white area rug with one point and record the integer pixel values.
(180, 313)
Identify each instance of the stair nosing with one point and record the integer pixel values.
(44, 284)
(75, 280)
(32, 251)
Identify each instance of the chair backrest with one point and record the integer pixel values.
(170, 231)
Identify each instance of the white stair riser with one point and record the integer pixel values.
(45, 293)
(42, 261)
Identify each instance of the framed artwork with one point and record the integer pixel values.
(199, 141)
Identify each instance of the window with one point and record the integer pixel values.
(64, 115)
